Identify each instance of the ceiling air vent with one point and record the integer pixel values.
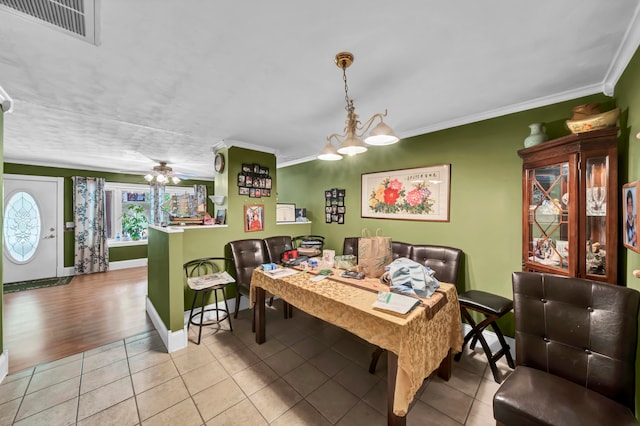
(78, 18)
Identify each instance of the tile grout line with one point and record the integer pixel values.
(24, 394)
(133, 389)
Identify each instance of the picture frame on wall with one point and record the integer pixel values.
(253, 217)
(630, 215)
(221, 216)
(409, 194)
(285, 212)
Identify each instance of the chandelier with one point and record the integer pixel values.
(350, 142)
(162, 175)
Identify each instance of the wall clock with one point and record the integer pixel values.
(218, 163)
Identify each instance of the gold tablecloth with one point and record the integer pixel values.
(421, 340)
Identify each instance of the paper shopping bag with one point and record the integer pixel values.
(374, 253)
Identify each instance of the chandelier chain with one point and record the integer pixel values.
(349, 105)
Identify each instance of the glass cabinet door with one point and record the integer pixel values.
(548, 218)
(596, 215)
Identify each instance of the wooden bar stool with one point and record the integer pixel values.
(492, 307)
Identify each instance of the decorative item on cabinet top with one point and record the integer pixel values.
(588, 117)
(536, 136)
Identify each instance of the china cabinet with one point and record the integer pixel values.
(570, 206)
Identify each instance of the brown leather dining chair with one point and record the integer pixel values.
(276, 246)
(575, 353)
(350, 246)
(247, 255)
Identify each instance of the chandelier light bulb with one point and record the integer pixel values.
(329, 153)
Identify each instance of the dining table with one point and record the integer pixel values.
(418, 342)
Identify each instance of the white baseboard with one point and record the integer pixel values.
(67, 271)
(125, 264)
(492, 340)
(113, 266)
(173, 340)
(4, 364)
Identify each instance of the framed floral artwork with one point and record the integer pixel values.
(408, 194)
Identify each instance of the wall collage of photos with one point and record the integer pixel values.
(254, 181)
(334, 208)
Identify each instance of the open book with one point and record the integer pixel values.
(395, 303)
(205, 281)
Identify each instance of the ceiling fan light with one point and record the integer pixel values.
(329, 153)
(175, 180)
(382, 134)
(352, 146)
(148, 177)
(161, 178)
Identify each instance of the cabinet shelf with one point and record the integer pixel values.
(576, 236)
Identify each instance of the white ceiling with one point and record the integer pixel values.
(170, 79)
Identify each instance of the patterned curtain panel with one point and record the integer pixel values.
(91, 251)
(157, 198)
(201, 198)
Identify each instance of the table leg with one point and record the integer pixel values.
(259, 316)
(392, 371)
(444, 371)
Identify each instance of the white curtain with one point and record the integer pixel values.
(91, 251)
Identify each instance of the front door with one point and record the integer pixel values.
(30, 228)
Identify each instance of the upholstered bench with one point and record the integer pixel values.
(492, 307)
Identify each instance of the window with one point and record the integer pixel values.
(119, 196)
(22, 227)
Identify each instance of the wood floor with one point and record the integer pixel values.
(46, 324)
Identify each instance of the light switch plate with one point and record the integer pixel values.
(69, 225)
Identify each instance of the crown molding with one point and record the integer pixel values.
(626, 50)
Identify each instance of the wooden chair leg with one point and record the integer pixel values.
(238, 296)
(374, 359)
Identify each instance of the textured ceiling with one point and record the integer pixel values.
(171, 79)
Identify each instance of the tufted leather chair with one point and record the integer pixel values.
(247, 255)
(350, 246)
(399, 249)
(276, 246)
(445, 261)
(575, 353)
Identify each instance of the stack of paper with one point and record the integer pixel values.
(281, 272)
(394, 302)
(206, 281)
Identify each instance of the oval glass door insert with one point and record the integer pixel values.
(22, 225)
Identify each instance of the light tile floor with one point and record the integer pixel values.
(308, 372)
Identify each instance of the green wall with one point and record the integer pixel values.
(485, 198)
(168, 290)
(115, 253)
(627, 93)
